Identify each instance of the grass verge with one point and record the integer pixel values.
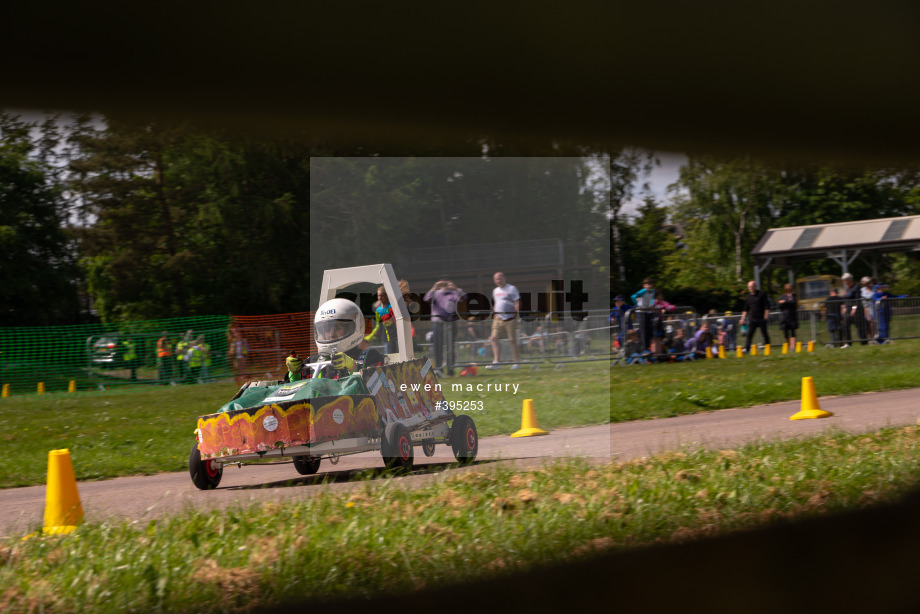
(472, 525)
(147, 430)
(639, 392)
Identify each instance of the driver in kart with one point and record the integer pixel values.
(338, 329)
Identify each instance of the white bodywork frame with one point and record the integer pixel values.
(336, 279)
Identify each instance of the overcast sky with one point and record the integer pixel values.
(660, 178)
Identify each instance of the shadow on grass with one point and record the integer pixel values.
(360, 475)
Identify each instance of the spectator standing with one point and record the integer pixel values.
(205, 348)
(619, 318)
(506, 304)
(443, 297)
(384, 322)
(195, 359)
(882, 297)
(644, 300)
(832, 310)
(755, 314)
(789, 315)
(239, 351)
(164, 358)
(850, 308)
(130, 357)
(182, 350)
(868, 309)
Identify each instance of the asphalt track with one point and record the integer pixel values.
(142, 498)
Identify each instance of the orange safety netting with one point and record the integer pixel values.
(259, 344)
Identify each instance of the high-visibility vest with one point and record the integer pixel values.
(181, 349)
(194, 359)
(206, 352)
(163, 350)
(130, 351)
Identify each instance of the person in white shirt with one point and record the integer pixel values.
(506, 303)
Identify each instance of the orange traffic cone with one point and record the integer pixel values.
(63, 511)
(810, 407)
(529, 422)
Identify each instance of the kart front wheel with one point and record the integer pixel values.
(205, 474)
(307, 465)
(464, 440)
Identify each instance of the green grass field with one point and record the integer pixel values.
(639, 392)
(473, 525)
(147, 430)
(150, 429)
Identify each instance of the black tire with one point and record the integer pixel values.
(396, 447)
(205, 473)
(428, 447)
(464, 440)
(307, 465)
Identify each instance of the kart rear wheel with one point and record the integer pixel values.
(307, 465)
(398, 452)
(464, 440)
(428, 447)
(206, 474)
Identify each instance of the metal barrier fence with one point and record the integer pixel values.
(554, 338)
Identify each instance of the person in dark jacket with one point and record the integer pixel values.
(851, 309)
(832, 310)
(755, 314)
(789, 316)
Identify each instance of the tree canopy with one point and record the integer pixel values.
(39, 279)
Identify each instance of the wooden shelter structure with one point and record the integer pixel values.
(842, 242)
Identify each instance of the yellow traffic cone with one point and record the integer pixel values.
(739, 351)
(41, 387)
(766, 350)
(798, 347)
(708, 353)
(529, 422)
(72, 386)
(811, 346)
(6, 390)
(722, 352)
(786, 347)
(63, 511)
(810, 407)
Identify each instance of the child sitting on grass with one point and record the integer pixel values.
(635, 353)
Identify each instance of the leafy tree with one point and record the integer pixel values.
(725, 204)
(188, 222)
(647, 243)
(38, 276)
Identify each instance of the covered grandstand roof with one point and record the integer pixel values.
(887, 234)
(842, 242)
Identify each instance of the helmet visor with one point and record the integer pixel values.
(330, 331)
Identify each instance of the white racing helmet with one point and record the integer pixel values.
(338, 326)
